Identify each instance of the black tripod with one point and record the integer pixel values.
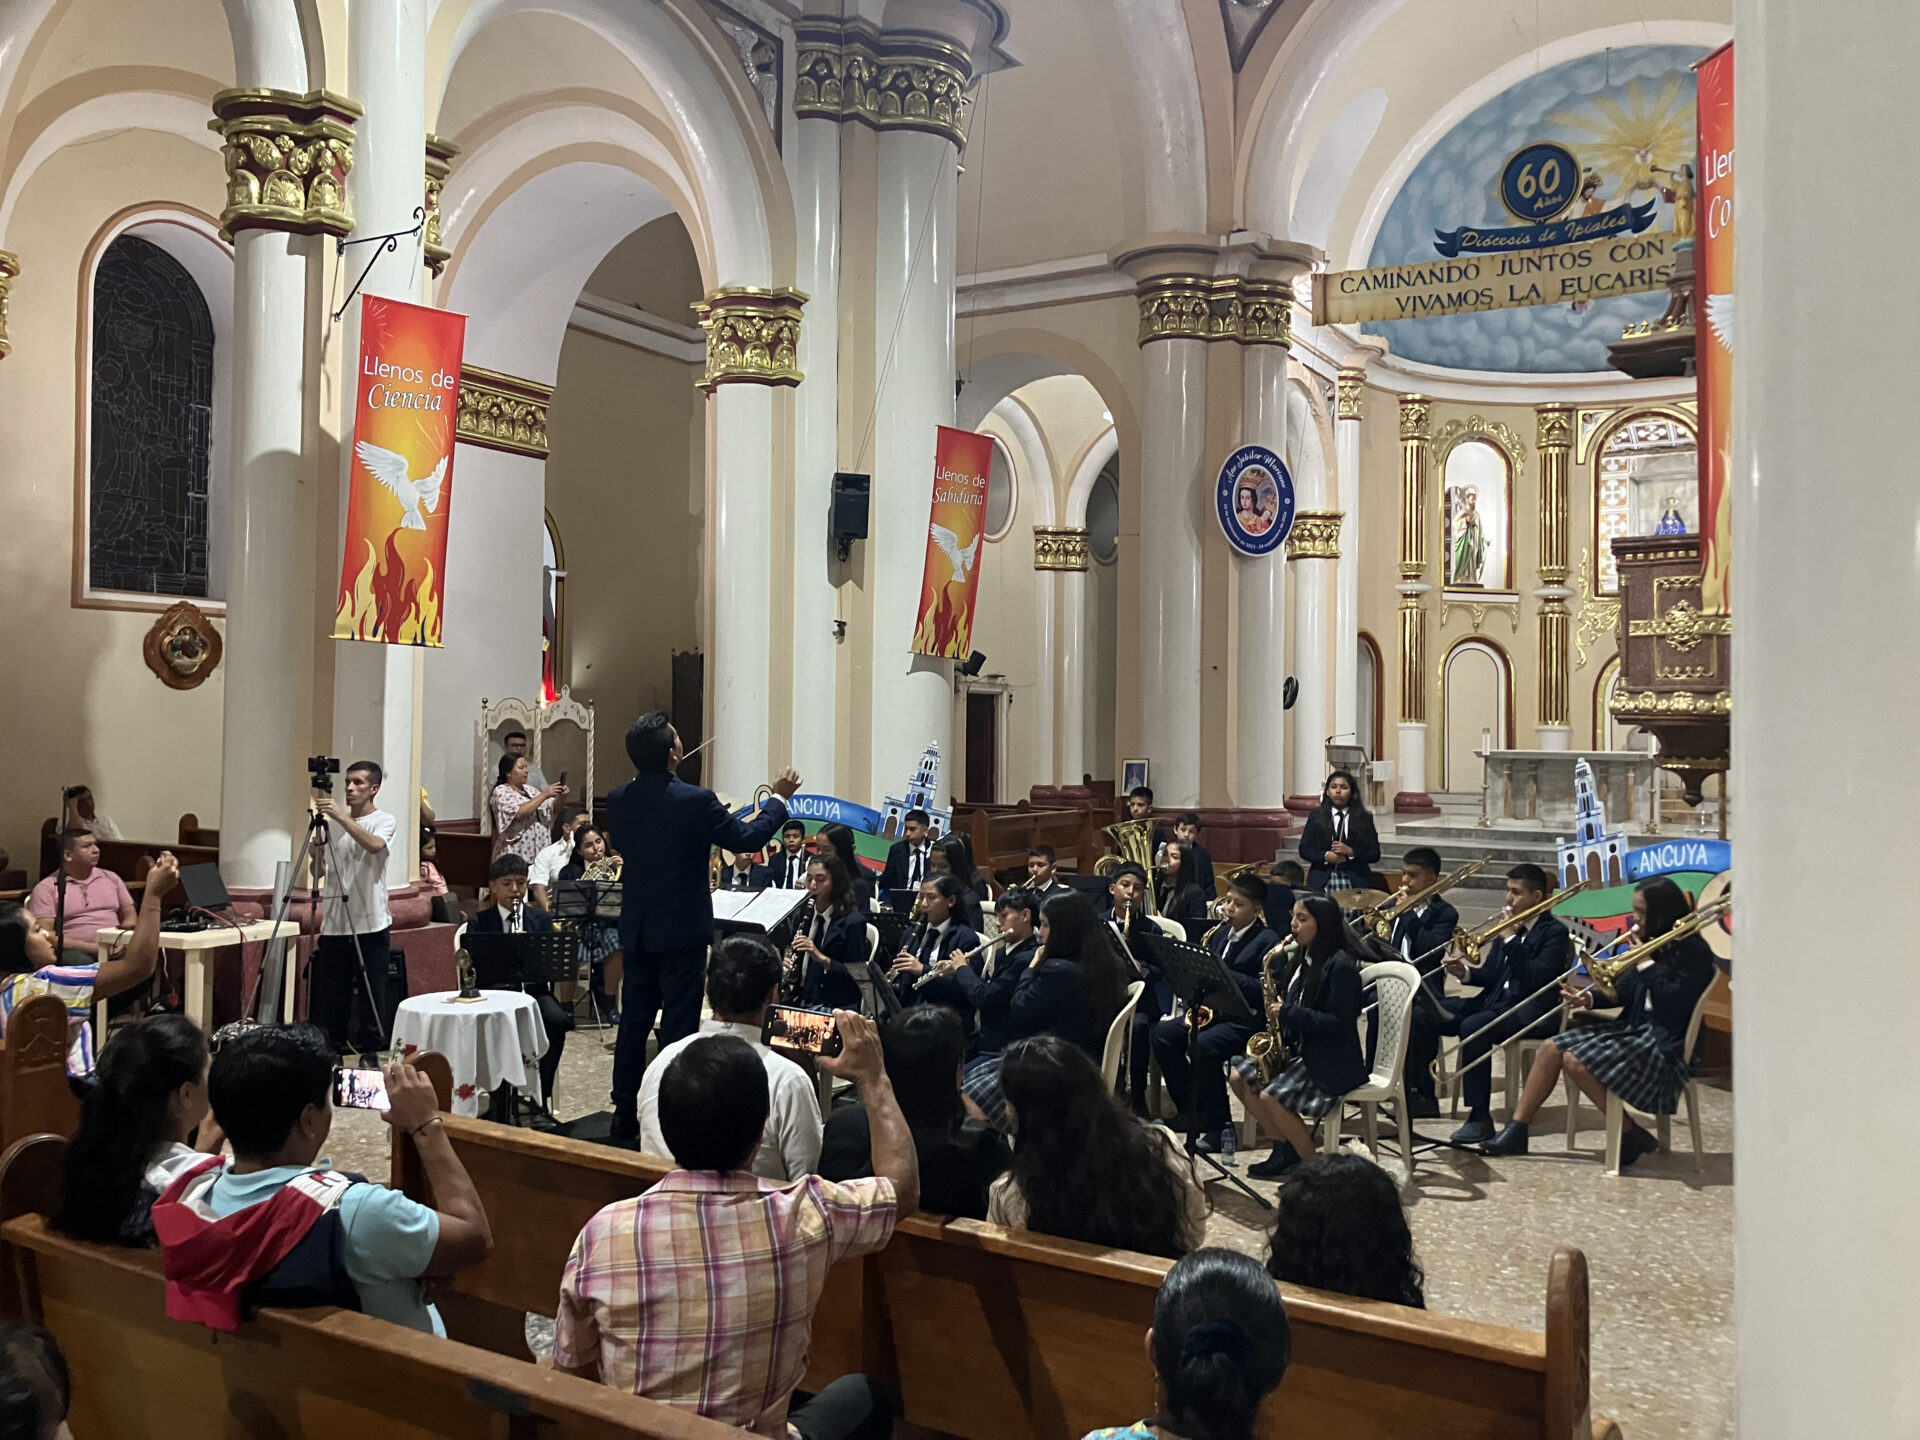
(316, 844)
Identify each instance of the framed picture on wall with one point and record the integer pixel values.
(1133, 774)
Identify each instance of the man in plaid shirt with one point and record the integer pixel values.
(700, 1293)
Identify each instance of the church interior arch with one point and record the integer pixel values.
(1476, 694)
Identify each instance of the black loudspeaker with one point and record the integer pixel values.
(971, 665)
(847, 514)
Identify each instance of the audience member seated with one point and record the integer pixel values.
(1341, 1228)
(137, 1130)
(432, 882)
(35, 1389)
(28, 966)
(509, 914)
(1220, 1344)
(96, 899)
(80, 812)
(960, 1156)
(266, 1228)
(1083, 1167)
(743, 979)
(700, 1293)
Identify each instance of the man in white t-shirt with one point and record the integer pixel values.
(743, 978)
(544, 873)
(355, 923)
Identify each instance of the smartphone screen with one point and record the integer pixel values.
(359, 1089)
(808, 1032)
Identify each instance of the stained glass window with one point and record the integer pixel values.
(151, 424)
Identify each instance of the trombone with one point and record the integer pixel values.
(1605, 972)
(1381, 917)
(1470, 943)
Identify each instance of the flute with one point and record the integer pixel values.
(956, 961)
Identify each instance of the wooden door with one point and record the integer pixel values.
(983, 747)
(689, 707)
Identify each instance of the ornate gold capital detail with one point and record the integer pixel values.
(1060, 547)
(287, 160)
(1599, 614)
(1682, 626)
(1416, 417)
(503, 412)
(752, 335)
(9, 272)
(851, 71)
(1679, 704)
(1474, 427)
(1554, 428)
(1350, 388)
(1190, 307)
(1315, 535)
(440, 155)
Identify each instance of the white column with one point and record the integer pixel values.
(1826, 1272)
(1260, 652)
(375, 686)
(814, 163)
(262, 778)
(913, 363)
(1043, 669)
(1346, 585)
(1313, 600)
(1173, 446)
(1075, 667)
(742, 438)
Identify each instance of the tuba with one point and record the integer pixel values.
(1134, 840)
(1268, 1049)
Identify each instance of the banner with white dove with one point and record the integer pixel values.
(1713, 328)
(962, 460)
(400, 480)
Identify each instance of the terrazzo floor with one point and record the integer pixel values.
(1658, 1240)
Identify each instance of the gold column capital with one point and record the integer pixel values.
(1315, 535)
(9, 272)
(1416, 417)
(753, 335)
(851, 70)
(1554, 426)
(502, 412)
(1350, 390)
(440, 155)
(287, 159)
(1060, 547)
(1266, 313)
(1176, 307)
(1226, 307)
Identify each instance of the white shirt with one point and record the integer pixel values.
(356, 886)
(789, 1146)
(916, 864)
(1419, 912)
(793, 870)
(548, 864)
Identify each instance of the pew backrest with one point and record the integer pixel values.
(35, 1095)
(992, 1334)
(1000, 841)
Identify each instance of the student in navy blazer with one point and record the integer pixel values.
(1340, 844)
(1420, 937)
(830, 941)
(666, 830)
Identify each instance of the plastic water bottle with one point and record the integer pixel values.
(1229, 1140)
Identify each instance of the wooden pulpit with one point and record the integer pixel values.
(1675, 660)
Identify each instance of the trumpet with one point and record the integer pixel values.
(1380, 917)
(1606, 972)
(1268, 1049)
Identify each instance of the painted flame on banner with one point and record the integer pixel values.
(400, 484)
(962, 460)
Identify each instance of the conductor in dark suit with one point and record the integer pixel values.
(666, 830)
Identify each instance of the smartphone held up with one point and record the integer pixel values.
(359, 1089)
(802, 1031)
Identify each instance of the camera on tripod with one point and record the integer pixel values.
(321, 769)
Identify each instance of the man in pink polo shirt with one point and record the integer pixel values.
(96, 898)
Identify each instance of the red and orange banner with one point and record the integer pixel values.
(961, 461)
(400, 485)
(1713, 328)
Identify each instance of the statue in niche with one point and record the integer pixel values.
(1671, 520)
(1468, 557)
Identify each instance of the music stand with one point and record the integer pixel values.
(509, 962)
(581, 902)
(1198, 977)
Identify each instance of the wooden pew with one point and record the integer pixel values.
(34, 1094)
(288, 1374)
(991, 1334)
(1000, 841)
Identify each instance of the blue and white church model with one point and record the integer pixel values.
(923, 793)
(1594, 841)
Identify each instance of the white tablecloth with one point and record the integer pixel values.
(495, 1040)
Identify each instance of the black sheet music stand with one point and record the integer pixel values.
(509, 962)
(578, 904)
(1199, 978)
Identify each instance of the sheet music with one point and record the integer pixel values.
(760, 909)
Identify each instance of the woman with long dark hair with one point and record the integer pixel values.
(1177, 893)
(831, 938)
(1220, 1344)
(950, 853)
(1318, 1016)
(135, 1124)
(1341, 1227)
(1339, 843)
(1641, 1057)
(594, 862)
(840, 837)
(1083, 1167)
(1073, 987)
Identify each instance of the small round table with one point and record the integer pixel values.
(495, 1040)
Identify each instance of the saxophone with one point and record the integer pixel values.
(1268, 1049)
(1201, 1016)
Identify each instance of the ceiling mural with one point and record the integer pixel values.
(1628, 118)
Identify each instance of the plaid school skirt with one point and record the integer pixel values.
(982, 1086)
(1293, 1088)
(1632, 1061)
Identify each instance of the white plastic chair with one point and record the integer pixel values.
(1395, 982)
(1617, 1111)
(1118, 1033)
(1172, 927)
